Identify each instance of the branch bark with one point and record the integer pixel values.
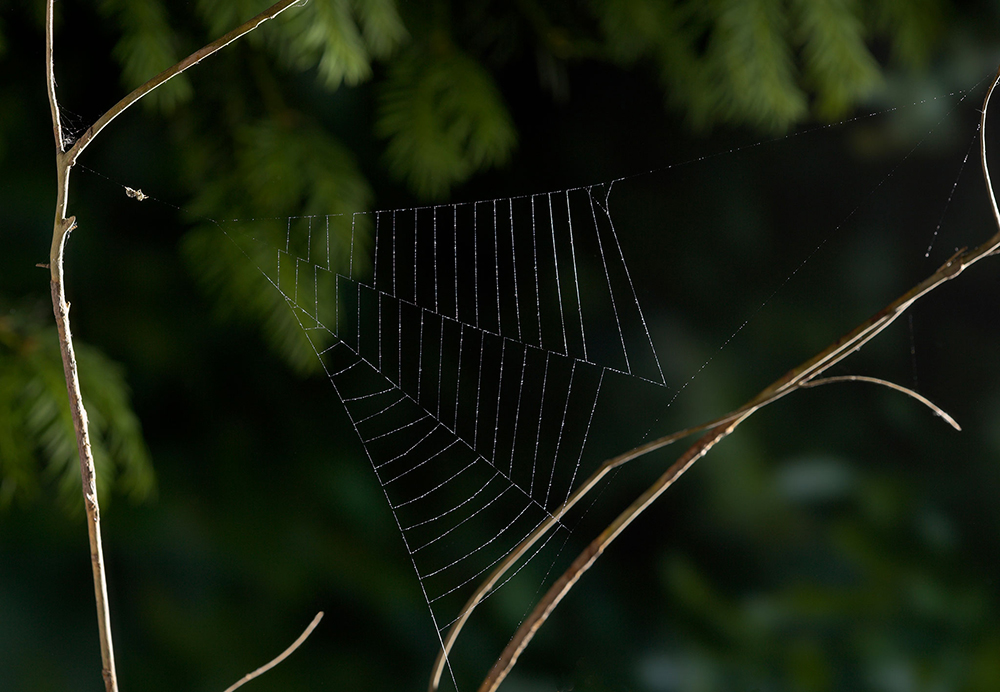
(279, 658)
(804, 375)
(171, 72)
(61, 229)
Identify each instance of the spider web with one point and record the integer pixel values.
(468, 344)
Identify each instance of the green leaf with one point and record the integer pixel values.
(738, 60)
(35, 420)
(634, 29)
(120, 451)
(445, 119)
(750, 48)
(913, 27)
(340, 37)
(230, 271)
(287, 171)
(381, 26)
(724, 60)
(18, 479)
(145, 49)
(222, 16)
(837, 61)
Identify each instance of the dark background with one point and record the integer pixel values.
(843, 539)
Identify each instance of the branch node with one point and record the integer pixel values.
(951, 260)
(94, 511)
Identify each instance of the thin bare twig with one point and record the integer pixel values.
(171, 72)
(50, 76)
(61, 228)
(549, 523)
(802, 376)
(593, 551)
(591, 482)
(938, 411)
(280, 657)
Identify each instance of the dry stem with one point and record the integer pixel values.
(62, 226)
(171, 72)
(280, 657)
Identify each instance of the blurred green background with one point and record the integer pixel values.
(844, 539)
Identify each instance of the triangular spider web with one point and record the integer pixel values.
(468, 345)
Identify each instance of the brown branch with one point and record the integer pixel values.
(62, 227)
(794, 379)
(802, 376)
(50, 77)
(591, 482)
(938, 411)
(171, 72)
(593, 551)
(280, 657)
(549, 523)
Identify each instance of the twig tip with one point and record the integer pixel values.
(280, 657)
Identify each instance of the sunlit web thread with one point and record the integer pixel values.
(489, 493)
(441, 383)
(951, 194)
(962, 96)
(961, 93)
(568, 333)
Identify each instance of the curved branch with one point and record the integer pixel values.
(802, 376)
(550, 522)
(280, 657)
(938, 411)
(171, 72)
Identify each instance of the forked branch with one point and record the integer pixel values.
(805, 375)
(171, 72)
(62, 226)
